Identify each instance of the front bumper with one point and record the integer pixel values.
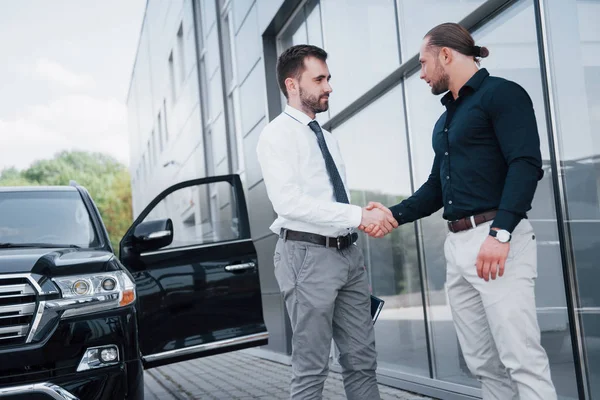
(124, 381)
(40, 390)
(38, 370)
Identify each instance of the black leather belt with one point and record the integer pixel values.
(340, 242)
(470, 222)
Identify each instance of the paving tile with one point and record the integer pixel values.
(239, 376)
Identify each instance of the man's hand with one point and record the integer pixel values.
(491, 258)
(383, 222)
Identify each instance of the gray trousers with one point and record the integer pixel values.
(326, 293)
(496, 321)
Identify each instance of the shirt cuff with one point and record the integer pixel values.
(398, 213)
(506, 220)
(355, 216)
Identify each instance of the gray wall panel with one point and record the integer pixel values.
(152, 93)
(266, 11)
(252, 94)
(260, 211)
(248, 44)
(215, 95)
(212, 60)
(253, 172)
(219, 140)
(240, 11)
(265, 248)
(222, 168)
(208, 14)
(277, 325)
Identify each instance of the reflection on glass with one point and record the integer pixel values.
(574, 41)
(424, 109)
(34, 216)
(304, 28)
(374, 147)
(200, 214)
(514, 55)
(511, 38)
(361, 37)
(417, 17)
(314, 34)
(208, 14)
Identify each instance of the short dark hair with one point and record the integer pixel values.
(457, 38)
(291, 62)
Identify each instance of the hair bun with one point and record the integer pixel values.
(483, 52)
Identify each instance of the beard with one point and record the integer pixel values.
(313, 103)
(442, 81)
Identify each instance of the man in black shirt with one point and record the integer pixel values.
(485, 171)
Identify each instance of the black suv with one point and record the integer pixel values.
(76, 322)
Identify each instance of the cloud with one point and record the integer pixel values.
(23, 141)
(55, 72)
(74, 122)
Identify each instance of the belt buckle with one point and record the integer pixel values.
(339, 242)
(472, 219)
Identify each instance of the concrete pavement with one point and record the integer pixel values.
(237, 376)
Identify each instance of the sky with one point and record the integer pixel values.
(64, 75)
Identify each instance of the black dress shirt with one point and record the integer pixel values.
(487, 156)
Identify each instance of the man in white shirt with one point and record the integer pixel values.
(319, 270)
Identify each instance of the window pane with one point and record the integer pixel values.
(574, 39)
(361, 39)
(209, 14)
(513, 45)
(53, 217)
(295, 32)
(511, 39)
(200, 214)
(378, 133)
(313, 25)
(424, 110)
(417, 17)
(304, 28)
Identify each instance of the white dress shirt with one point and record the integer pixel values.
(297, 180)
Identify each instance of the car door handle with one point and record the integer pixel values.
(238, 267)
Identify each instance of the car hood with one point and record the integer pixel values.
(56, 262)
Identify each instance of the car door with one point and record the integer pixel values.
(196, 272)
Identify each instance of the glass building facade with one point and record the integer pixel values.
(204, 82)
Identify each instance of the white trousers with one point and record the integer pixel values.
(496, 321)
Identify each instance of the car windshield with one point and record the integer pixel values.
(45, 217)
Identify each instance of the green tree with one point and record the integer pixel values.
(13, 177)
(107, 181)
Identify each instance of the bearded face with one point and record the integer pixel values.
(315, 102)
(440, 80)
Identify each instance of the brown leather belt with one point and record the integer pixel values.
(340, 242)
(471, 222)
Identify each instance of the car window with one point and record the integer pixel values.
(51, 217)
(201, 214)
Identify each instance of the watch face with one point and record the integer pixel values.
(503, 236)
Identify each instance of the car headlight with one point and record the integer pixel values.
(83, 294)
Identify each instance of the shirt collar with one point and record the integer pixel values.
(473, 84)
(297, 115)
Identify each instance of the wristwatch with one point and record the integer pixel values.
(502, 236)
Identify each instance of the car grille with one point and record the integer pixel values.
(17, 309)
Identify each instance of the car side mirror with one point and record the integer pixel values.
(153, 235)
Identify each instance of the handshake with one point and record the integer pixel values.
(377, 220)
